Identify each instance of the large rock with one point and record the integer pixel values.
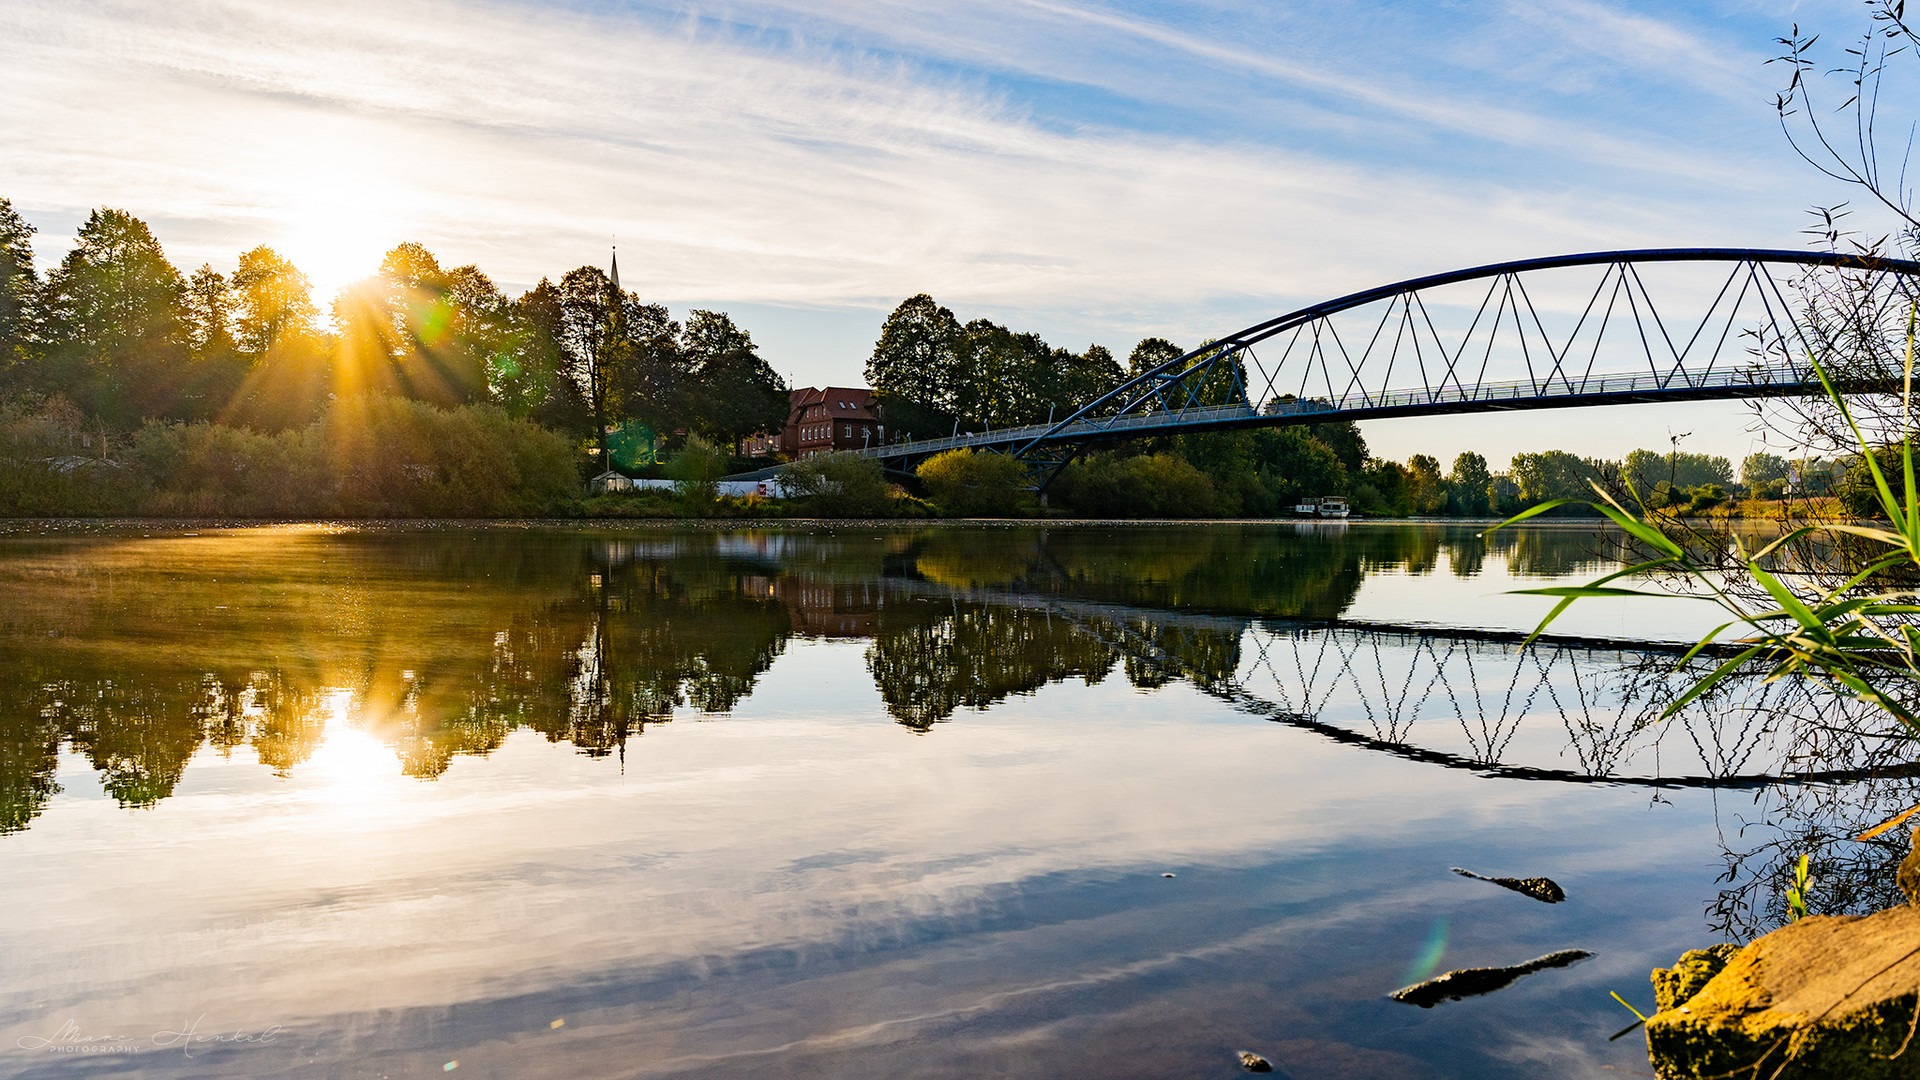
(1827, 996)
(1674, 986)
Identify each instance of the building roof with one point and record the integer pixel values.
(850, 402)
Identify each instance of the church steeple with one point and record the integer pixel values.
(616, 269)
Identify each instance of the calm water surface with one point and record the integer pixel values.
(850, 802)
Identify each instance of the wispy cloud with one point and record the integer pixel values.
(835, 163)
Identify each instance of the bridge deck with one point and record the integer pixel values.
(1362, 405)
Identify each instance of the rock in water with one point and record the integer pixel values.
(1909, 876)
(1253, 1062)
(1542, 889)
(1826, 996)
(1470, 982)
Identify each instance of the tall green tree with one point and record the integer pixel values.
(215, 370)
(19, 284)
(273, 301)
(1151, 353)
(1469, 485)
(115, 340)
(1001, 376)
(1079, 378)
(624, 357)
(1426, 488)
(207, 313)
(1552, 474)
(917, 357)
(1761, 468)
(735, 392)
(531, 378)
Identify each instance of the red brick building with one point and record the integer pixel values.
(820, 422)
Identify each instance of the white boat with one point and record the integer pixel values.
(1333, 506)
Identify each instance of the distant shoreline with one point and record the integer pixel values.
(118, 525)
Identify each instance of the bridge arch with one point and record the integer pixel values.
(1524, 334)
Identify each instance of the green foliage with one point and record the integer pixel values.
(365, 457)
(970, 483)
(1469, 485)
(929, 372)
(1862, 643)
(694, 468)
(1797, 892)
(1705, 497)
(732, 391)
(1552, 474)
(1150, 354)
(274, 302)
(1136, 486)
(1857, 490)
(839, 485)
(1644, 469)
(110, 315)
(18, 285)
(915, 358)
(1762, 468)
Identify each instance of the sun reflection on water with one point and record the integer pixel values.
(351, 768)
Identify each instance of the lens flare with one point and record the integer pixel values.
(1428, 959)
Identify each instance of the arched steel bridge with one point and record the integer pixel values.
(1666, 324)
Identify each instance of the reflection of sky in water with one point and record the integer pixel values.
(803, 887)
(1440, 597)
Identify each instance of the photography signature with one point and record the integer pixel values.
(71, 1038)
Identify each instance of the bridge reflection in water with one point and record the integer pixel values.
(591, 640)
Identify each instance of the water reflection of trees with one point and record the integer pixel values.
(138, 656)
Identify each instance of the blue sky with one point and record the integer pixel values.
(1095, 171)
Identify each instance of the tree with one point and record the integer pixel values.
(734, 392)
(1552, 474)
(273, 299)
(1295, 464)
(1426, 488)
(592, 340)
(917, 356)
(115, 342)
(1469, 485)
(207, 313)
(1646, 470)
(1079, 378)
(1761, 468)
(18, 285)
(214, 371)
(479, 328)
(1150, 354)
(1346, 442)
(1138, 485)
(531, 379)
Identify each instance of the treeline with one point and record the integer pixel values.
(115, 339)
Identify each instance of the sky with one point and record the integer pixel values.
(1097, 172)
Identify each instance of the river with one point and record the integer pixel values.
(864, 801)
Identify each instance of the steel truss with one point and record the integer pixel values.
(1514, 335)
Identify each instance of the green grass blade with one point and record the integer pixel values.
(1711, 679)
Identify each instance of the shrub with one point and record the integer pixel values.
(839, 485)
(1156, 485)
(970, 483)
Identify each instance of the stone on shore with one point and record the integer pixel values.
(1827, 996)
(1673, 986)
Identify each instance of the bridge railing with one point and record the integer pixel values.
(1756, 375)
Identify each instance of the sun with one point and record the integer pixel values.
(337, 227)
